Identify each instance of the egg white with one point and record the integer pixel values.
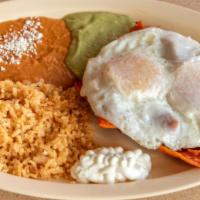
(144, 102)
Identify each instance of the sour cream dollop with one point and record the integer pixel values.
(110, 165)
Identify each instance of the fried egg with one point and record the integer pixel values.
(147, 84)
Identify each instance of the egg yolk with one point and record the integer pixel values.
(132, 72)
(185, 93)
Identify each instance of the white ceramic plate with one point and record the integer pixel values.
(168, 174)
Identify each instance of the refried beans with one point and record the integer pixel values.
(35, 48)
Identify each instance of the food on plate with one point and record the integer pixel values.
(143, 84)
(102, 122)
(138, 26)
(190, 156)
(43, 130)
(110, 165)
(143, 81)
(35, 48)
(90, 32)
(105, 124)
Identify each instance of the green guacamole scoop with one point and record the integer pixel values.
(91, 31)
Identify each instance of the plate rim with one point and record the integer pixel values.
(45, 189)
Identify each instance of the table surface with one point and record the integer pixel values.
(191, 194)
